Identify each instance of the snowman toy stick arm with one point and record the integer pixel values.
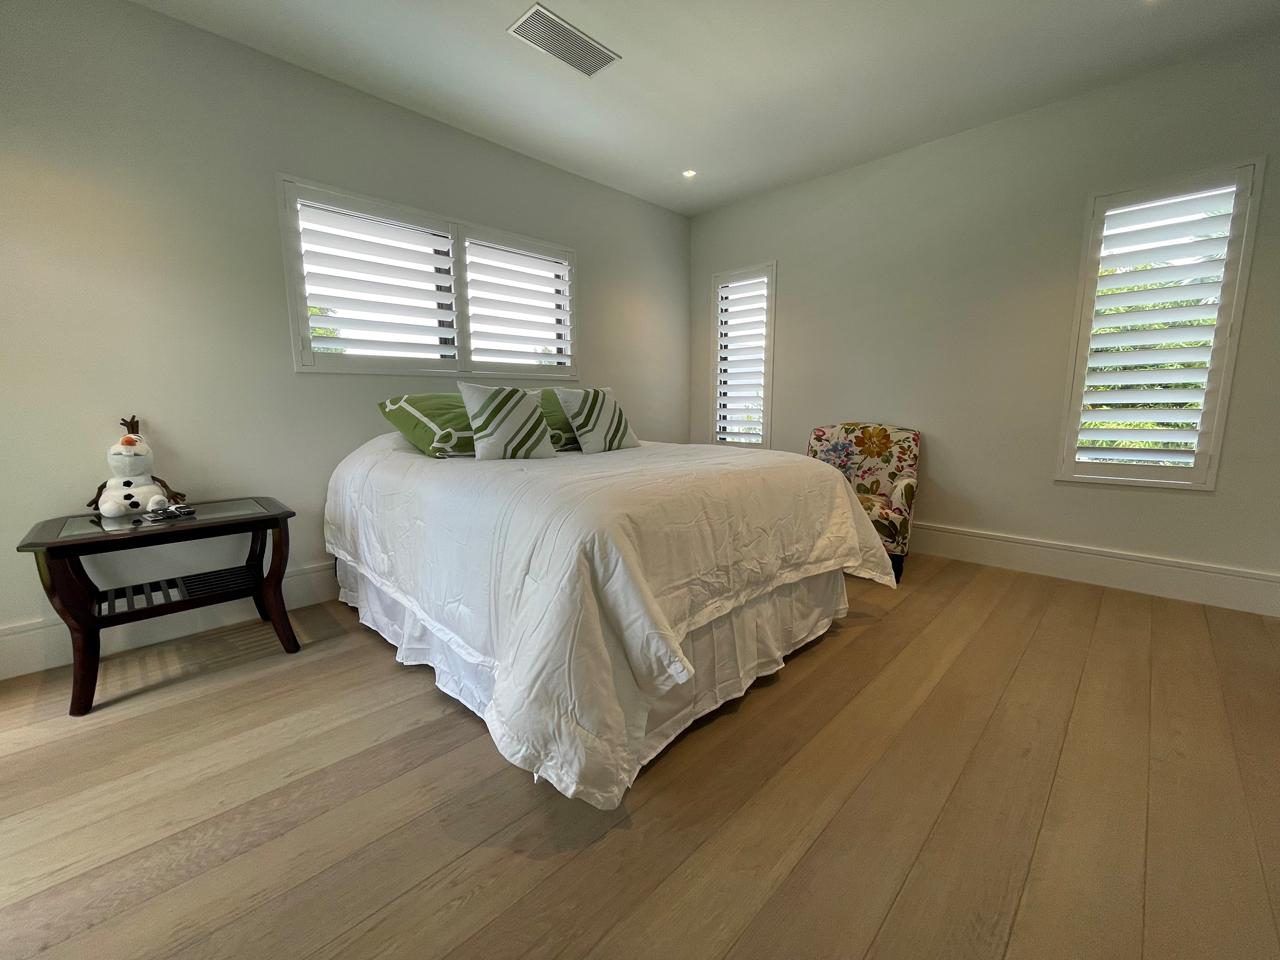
(93, 504)
(175, 496)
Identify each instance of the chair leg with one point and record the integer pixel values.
(895, 559)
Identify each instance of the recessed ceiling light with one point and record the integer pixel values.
(690, 174)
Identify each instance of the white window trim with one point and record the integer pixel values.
(769, 270)
(292, 189)
(1248, 177)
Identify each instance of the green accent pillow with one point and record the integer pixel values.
(562, 435)
(507, 423)
(598, 420)
(435, 423)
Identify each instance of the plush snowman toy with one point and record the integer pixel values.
(132, 489)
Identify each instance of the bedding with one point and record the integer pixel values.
(507, 422)
(562, 435)
(557, 598)
(597, 419)
(438, 425)
(435, 423)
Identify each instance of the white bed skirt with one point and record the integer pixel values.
(727, 654)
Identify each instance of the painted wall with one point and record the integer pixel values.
(141, 271)
(936, 288)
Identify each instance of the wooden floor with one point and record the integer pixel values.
(982, 764)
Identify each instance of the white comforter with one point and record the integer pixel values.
(570, 583)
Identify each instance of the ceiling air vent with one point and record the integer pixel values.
(544, 30)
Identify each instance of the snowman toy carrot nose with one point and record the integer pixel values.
(129, 441)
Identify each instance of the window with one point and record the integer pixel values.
(518, 302)
(378, 288)
(743, 355)
(1164, 281)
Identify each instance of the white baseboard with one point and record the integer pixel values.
(31, 645)
(28, 646)
(1239, 588)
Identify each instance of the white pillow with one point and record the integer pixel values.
(507, 422)
(597, 419)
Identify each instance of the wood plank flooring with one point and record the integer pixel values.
(981, 764)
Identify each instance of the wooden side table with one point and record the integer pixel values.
(60, 543)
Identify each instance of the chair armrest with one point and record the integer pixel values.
(903, 494)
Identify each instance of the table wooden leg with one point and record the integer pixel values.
(86, 652)
(270, 593)
(257, 550)
(74, 597)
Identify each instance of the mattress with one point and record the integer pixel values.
(561, 599)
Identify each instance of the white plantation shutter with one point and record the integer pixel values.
(1166, 276)
(380, 288)
(743, 351)
(375, 287)
(519, 304)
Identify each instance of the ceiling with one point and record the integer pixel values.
(751, 94)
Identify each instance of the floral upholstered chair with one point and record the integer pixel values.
(880, 461)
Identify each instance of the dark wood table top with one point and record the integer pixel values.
(83, 533)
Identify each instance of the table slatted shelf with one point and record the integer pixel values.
(117, 603)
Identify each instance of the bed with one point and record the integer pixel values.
(589, 608)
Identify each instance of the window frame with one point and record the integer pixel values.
(292, 189)
(1202, 475)
(769, 270)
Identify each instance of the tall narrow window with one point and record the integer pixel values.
(743, 355)
(1165, 278)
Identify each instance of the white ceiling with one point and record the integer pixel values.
(751, 94)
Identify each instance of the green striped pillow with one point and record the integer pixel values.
(435, 423)
(562, 436)
(507, 422)
(598, 420)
